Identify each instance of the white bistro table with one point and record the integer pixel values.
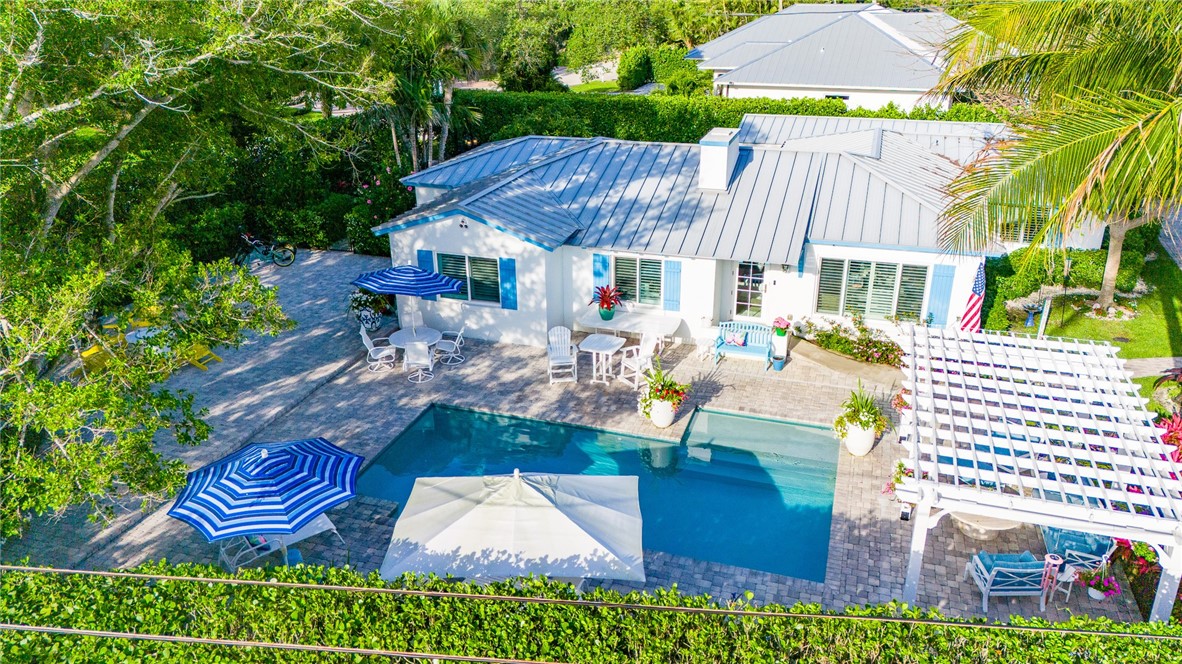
(659, 325)
(427, 335)
(601, 347)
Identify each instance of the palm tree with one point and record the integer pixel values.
(1094, 86)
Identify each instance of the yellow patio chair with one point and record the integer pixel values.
(93, 359)
(200, 356)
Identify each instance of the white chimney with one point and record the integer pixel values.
(719, 152)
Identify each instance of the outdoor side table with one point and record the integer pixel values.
(601, 347)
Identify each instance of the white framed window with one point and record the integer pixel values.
(749, 290)
(640, 280)
(871, 289)
(481, 277)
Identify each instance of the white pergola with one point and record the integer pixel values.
(1042, 431)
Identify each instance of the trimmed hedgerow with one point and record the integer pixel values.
(635, 68)
(498, 628)
(645, 117)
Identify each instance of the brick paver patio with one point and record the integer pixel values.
(316, 384)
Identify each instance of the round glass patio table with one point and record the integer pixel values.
(427, 335)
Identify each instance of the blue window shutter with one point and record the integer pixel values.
(603, 269)
(940, 299)
(427, 262)
(508, 271)
(671, 289)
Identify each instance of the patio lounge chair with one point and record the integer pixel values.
(1007, 575)
(448, 348)
(238, 551)
(1080, 550)
(419, 361)
(200, 356)
(381, 355)
(638, 359)
(562, 356)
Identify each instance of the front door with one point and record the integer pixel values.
(749, 290)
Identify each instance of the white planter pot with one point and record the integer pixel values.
(859, 441)
(1095, 594)
(779, 345)
(661, 414)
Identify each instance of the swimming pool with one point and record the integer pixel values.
(737, 490)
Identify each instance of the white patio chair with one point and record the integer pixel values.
(419, 361)
(562, 356)
(382, 356)
(238, 551)
(638, 359)
(448, 349)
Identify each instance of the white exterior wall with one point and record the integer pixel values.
(424, 195)
(525, 325)
(869, 99)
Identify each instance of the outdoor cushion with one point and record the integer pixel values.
(736, 338)
(255, 540)
(1024, 560)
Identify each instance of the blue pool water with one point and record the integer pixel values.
(737, 490)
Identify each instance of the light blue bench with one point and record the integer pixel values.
(759, 342)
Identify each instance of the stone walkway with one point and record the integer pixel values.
(1152, 366)
(314, 385)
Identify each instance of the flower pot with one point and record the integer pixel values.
(1095, 594)
(780, 331)
(859, 441)
(606, 314)
(779, 362)
(370, 319)
(661, 414)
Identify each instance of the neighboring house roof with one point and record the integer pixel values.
(832, 46)
(868, 185)
(957, 141)
(489, 158)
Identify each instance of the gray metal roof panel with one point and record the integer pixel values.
(783, 27)
(849, 53)
(488, 159)
(742, 54)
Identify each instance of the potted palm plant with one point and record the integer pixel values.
(860, 422)
(608, 298)
(661, 396)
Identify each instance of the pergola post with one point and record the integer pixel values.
(1167, 586)
(919, 539)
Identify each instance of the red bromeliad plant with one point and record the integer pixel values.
(1172, 434)
(607, 297)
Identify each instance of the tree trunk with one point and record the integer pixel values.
(326, 98)
(445, 123)
(1116, 242)
(413, 134)
(394, 140)
(430, 144)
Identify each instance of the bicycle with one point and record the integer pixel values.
(279, 254)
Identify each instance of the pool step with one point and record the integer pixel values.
(805, 475)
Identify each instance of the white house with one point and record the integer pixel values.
(864, 54)
(786, 215)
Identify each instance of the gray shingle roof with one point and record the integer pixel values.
(958, 141)
(870, 186)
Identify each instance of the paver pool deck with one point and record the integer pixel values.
(314, 382)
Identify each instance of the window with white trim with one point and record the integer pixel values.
(481, 277)
(871, 289)
(639, 279)
(749, 290)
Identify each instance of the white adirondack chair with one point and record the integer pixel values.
(419, 361)
(562, 356)
(382, 356)
(638, 359)
(448, 348)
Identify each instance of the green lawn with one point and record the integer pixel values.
(1155, 332)
(596, 86)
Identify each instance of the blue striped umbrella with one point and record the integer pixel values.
(267, 488)
(408, 280)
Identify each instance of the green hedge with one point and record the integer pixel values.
(1022, 272)
(635, 68)
(494, 628)
(669, 60)
(645, 117)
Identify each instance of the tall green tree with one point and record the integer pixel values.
(113, 112)
(1094, 87)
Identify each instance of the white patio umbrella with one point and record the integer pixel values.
(496, 527)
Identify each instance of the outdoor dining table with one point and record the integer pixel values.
(427, 335)
(601, 347)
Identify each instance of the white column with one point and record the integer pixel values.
(919, 538)
(1167, 586)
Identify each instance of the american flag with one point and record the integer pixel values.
(971, 320)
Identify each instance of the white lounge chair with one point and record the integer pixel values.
(1008, 575)
(448, 348)
(638, 359)
(562, 356)
(238, 551)
(419, 361)
(381, 354)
